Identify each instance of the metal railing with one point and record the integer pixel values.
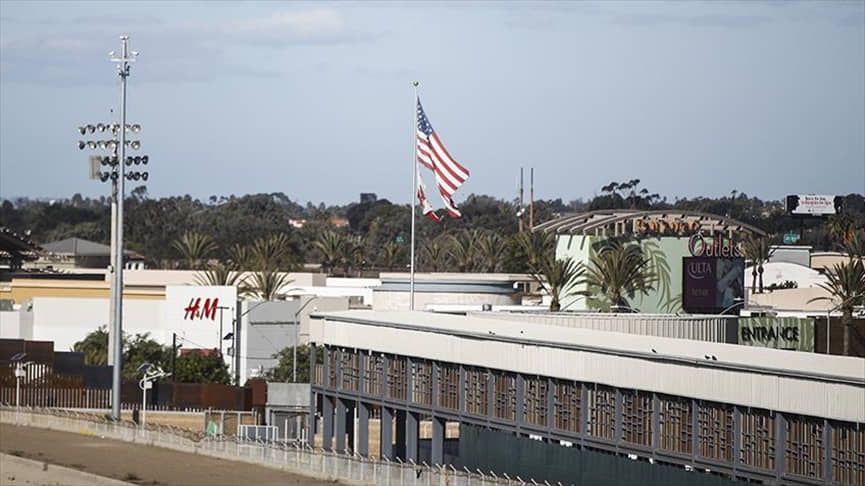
(293, 457)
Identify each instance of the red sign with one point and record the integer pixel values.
(195, 309)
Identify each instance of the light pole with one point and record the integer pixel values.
(151, 373)
(112, 164)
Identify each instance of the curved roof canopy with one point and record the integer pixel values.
(614, 222)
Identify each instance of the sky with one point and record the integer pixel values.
(315, 100)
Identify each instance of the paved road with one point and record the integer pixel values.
(135, 463)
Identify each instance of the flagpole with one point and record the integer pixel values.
(413, 192)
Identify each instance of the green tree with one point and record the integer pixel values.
(266, 284)
(846, 287)
(283, 370)
(195, 248)
(433, 255)
(462, 249)
(141, 349)
(197, 367)
(391, 254)
(491, 250)
(758, 251)
(331, 246)
(558, 278)
(220, 274)
(94, 347)
(618, 272)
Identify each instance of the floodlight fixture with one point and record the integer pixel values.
(91, 128)
(135, 145)
(104, 176)
(136, 176)
(145, 159)
(82, 130)
(92, 145)
(136, 128)
(81, 144)
(100, 144)
(144, 176)
(100, 127)
(129, 161)
(145, 366)
(136, 160)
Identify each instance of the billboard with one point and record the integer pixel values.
(200, 314)
(813, 205)
(777, 332)
(711, 284)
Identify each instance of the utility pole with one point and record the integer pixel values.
(520, 209)
(173, 351)
(532, 199)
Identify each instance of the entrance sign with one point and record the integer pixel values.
(713, 246)
(777, 332)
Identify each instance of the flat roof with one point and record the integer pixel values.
(720, 355)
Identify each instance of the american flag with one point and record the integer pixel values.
(431, 152)
(425, 206)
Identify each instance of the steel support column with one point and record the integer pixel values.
(363, 429)
(327, 418)
(400, 434)
(340, 425)
(349, 427)
(521, 402)
(584, 414)
(695, 426)
(386, 433)
(438, 441)
(827, 451)
(737, 438)
(311, 422)
(780, 445)
(656, 423)
(618, 420)
(411, 435)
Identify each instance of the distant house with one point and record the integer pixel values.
(73, 253)
(338, 222)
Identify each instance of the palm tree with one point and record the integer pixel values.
(392, 253)
(558, 278)
(272, 251)
(239, 257)
(491, 249)
(434, 254)
(357, 252)
(757, 250)
(621, 271)
(462, 249)
(265, 284)
(846, 285)
(854, 244)
(195, 247)
(220, 274)
(94, 347)
(537, 246)
(330, 244)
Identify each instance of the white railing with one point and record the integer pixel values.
(298, 459)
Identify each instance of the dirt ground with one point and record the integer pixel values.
(137, 463)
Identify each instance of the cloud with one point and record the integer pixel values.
(707, 20)
(319, 26)
(190, 52)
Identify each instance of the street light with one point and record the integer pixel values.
(20, 366)
(151, 373)
(736, 302)
(296, 338)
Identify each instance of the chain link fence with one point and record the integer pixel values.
(295, 458)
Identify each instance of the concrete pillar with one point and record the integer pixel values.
(412, 423)
(438, 440)
(363, 429)
(327, 418)
(340, 426)
(400, 434)
(386, 439)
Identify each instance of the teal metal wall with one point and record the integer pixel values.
(502, 452)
